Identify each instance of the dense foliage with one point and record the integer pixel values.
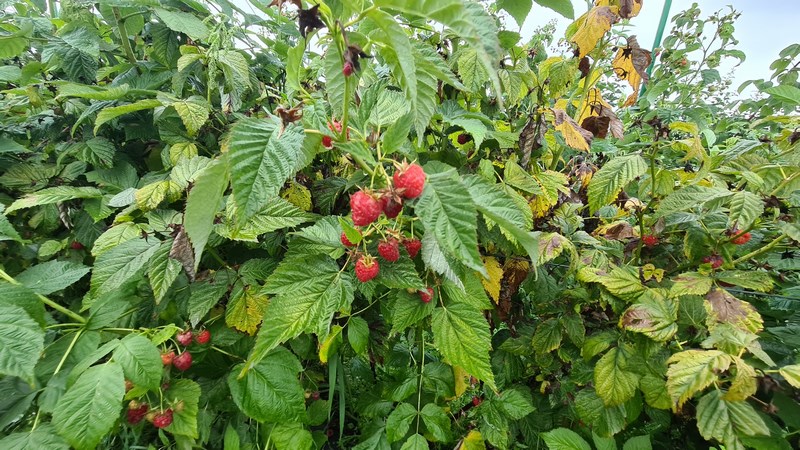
(392, 224)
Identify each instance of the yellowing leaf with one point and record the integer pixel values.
(330, 344)
(590, 27)
(245, 310)
(492, 284)
(691, 371)
(791, 374)
(473, 441)
(744, 382)
(539, 206)
(722, 307)
(631, 63)
(595, 106)
(151, 195)
(461, 380)
(298, 195)
(575, 136)
(649, 271)
(182, 150)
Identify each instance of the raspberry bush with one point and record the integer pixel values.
(392, 224)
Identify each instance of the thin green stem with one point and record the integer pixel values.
(761, 250)
(69, 350)
(123, 36)
(421, 340)
(71, 314)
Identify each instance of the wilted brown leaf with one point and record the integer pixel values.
(575, 136)
(596, 125)
(629, 8)
(531, 137)
(182, 251)
(722, 307)
(631, 63)
(308, 20)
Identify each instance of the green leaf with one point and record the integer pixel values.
(277, 214)
(140, 361)
(400, 274)
(448, 213)
(89, 409)
(473, 74)
(115, 111)
(194, 114)
(607, 183)
(461, 334)
(44, 437)
(163, 271)
(291, 436)
(185, 23)
(791, 374)
(205, 294)
(471, 293)
(52, 276)
(184, 422)
(92, 92)
(638, 443)
(564, 439)
(518, 9)
(52, 195)
(202, 205)
(604, 420)
(116, 235)
(271, 391)
(547, 336)
(308, 290)
(785, 93)
(691, 371)
(652, 315)
(723, 420)
(18, 295)
(614, 381)
(745, 207)
(398, 53)
(516, 403)
(21, 342)
(97, 151)
(436, 421)
(563, 7)
(655, 392)
(399, 421)
(415, 442)
(262, 155)
(119, 265)
(688, 198)
(358, 334)
(757, 281)
(406, 309)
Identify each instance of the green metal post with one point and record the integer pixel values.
(659, 34)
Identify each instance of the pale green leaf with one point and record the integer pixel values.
(163, 271)
(613, 378)
(21, 342)
(119, 265)
(461, 334)
(115, 111)
(564, 439)
(745, 207)
(436, 421)
(691, 371)
(689, 197)
(184, 22)
(44, 437)
(202, 205)
(277, 214)
(140, 361)
(722, 420)
(184, 422)
(116, 235)
(52, 195)
(52, 276)
(194, 114)
(607, 183)
(399, 420)
(791, 374)
(270, 391)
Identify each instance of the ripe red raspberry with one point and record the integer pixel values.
(650, 240)
(346, 242)
(76, 245)
(476, 401)
(183, 361)
(167, 358)
(412, 247)
(463, 138)
(366, 209)
(184, 337)
(426, 295)
(741, 240)
(409, 180)
(389, 250)
(327, 142)
(347, 70)
(203, 337)
(164, 419)
(367, 268)
(714, 260)
(136, 412)
(391, 206)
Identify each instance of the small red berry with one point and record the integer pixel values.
(183, 361)
(714, 260)
(346, 242)
(367, 268)
(412, 247)
(347, 70)
(389, 250)
(136, 412)
(391, 206)
(476, 401)
(649, 240)
(426, 295)
(327, 142)
(366, 209)
(463, 138)
(741, 240)
(203, 337)
(315, 395)
(167, 358)
(164, 419)
(184, 337)
(409, 180)
(75, 245)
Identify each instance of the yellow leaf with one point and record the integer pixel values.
(492, 284)
(591, 26)
(298, 195)
(245, 311)
(539, 206)
(182, 150)
(575, 136)
(462, 380)
(631, 63)
(330, 344)
(649, 271)
(743, 384)
(627, 8)
(473, 441)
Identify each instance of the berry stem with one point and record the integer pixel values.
(71, 314)
(761, 250)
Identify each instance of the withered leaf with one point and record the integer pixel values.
(353, 54)
(631, 63)
(591, 27)
(182, 251)
(617, 231)
(722, 307)
(629, 8)
(289, 115)
(531, 137)
(279, 3)
(584, 66)
(308, 20)
(596, 125)
(575, 136)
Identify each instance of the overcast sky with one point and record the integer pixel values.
(763, 30)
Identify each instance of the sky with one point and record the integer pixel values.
(763, 30)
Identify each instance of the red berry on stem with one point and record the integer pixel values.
(164, 419)
(389, 250)
(346, 242)
(412, 246)
(203, 337)
(75, 245)
(185, 337)
(426, 295)
(391, 206)
(327, 142)
(409, 180)
(650, 240)
(136, 412)
(167, 358)
(366, 209)
(463, 138)
(476, 401)
(183, 361)
(367, 268)
(715, 261)
(347, 70)
(742, 239)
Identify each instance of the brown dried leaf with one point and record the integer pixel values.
(575, 136)
(722, 307)
(596, 125)
(616, 231)
(182, 251)
(308, 20)
(629, 8)
(631, 63)
(279, 3)
(289, 115)
(531, 137)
